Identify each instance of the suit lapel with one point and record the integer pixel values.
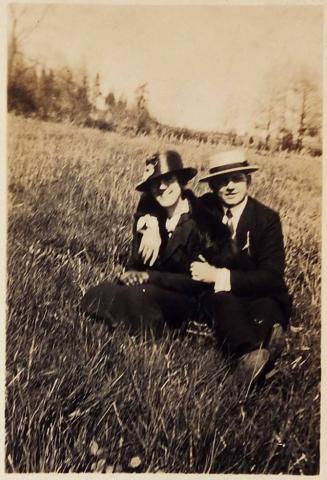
(246, 225)
(179, 237)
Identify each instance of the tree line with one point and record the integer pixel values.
(73, 97)
(288, 115)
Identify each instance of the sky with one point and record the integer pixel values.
(205, 66)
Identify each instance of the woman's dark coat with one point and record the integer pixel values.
(197, 233)
(170, 296)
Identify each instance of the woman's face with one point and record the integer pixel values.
(166, 191)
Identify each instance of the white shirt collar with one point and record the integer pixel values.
(236, 212)
(183, 207)
(238, 209)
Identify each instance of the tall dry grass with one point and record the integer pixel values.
(81, 398)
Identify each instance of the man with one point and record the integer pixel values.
(249, 303)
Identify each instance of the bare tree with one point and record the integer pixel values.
(22, 76)
(141, 109)
(290, 106)
(17, 63)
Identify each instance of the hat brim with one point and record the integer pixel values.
(249, 169)
(184, 174)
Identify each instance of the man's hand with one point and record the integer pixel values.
(151, 239)
(134, 277)
(203, 272)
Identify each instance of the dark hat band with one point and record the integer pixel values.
(229, 166)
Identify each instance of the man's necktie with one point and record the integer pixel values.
(230, 225)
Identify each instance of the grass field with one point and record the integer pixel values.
(83, 399)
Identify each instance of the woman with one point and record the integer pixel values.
(148, 298)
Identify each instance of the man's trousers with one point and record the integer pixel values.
(241, 324)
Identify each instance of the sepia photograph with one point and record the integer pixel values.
(164, 223)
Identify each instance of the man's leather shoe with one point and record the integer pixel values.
(277, 342)
(252, 364)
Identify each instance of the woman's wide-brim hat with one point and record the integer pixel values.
(162, 164)
(228, 162)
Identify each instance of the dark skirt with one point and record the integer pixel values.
(140, 308)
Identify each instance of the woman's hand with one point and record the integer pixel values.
(134, 277)
(203, 272)
(151, 240)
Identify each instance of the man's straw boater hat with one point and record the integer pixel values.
(228, 162)
(160, 164)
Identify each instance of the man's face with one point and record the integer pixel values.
(231, 188)
(166, 191)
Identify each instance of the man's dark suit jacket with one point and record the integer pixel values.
(257, 263)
